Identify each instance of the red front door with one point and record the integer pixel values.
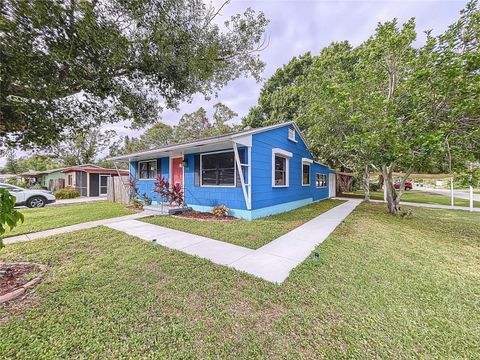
(177, 171)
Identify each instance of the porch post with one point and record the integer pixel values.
(249, 176)
(242, 180)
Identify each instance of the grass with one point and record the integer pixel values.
(418, 196)
(383, 287)
(51, 217)
(251, 234)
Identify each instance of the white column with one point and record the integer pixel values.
(242, 180)
(249, 172)
(452, 199)
(471, 198)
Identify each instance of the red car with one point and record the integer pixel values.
(408, 185)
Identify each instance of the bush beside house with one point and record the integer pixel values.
(67, 193)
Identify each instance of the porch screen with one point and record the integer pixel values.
(218, 169)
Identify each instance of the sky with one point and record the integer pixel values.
(299, 26)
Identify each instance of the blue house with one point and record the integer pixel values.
(255, 173)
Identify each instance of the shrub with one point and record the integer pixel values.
(136, 203)
(173, 194)
(374, 187)
(220, 211)
(19, 183)
(67, 193)
(146, 200)
(38, 186)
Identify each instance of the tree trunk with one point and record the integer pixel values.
(393, 200)
(367, 184)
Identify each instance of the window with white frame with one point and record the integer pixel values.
(147, 169)
(321, 180)
(280, 170)
(69, 180)
(291, 134)
(280, 167)
(218, 169)
(305, 173)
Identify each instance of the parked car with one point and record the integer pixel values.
(32, 198)
(408, 185)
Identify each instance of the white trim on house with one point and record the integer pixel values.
(291, 134)
(306, 161)
(325, 182)
(287, 155)
(246, 192)
(234, 170)
(100, 184)
(243, 137)
(332, 179)
(139, 172)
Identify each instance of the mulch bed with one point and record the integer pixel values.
(204, 216)
(15, 278)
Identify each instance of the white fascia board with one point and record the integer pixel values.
(282, 152)
(245, 140)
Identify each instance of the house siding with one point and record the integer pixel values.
(266, 199)
(145, 186)
(263, 193)
(232, 197)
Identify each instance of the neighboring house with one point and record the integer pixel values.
(88, 179)
(6, 177)
(255, 173)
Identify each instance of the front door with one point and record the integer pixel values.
(177, 171)
(103, 184)
(332, 185)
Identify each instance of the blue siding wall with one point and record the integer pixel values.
(232, 197)
(263, 194)
(266, 199)
(146, 185)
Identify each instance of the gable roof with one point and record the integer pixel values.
(209, 141)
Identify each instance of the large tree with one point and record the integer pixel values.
(280, 97)
(84, 147)
(191, 126)
(68, 64)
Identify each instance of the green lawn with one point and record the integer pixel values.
(384, 287)
(51, 217)
(251, 234)
(419, 197)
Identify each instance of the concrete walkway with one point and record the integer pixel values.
(272, 262)
(70, 228)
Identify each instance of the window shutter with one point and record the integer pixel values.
(159, 167)
(196, 168)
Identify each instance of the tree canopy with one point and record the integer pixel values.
(387, 104)
(280, 97)
(75, 64)
(191, 126)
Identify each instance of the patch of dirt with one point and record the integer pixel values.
(204, 216)
(16, 275)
